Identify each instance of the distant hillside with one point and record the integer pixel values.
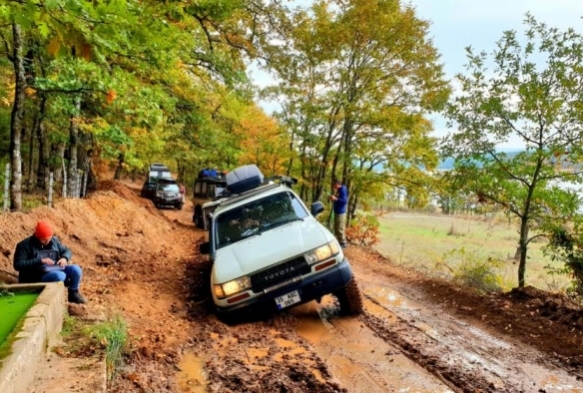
(448, 163)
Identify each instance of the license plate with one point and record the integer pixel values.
(287, 300)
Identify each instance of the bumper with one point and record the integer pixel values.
(310, 288)
(173, 202)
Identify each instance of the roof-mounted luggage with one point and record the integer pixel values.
(243, 179)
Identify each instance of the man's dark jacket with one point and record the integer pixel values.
(27, 261)
(341, 200)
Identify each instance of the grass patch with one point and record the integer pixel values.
(417, 240)
(473, 271)
(108, 339)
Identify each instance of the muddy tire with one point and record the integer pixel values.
(350, 299)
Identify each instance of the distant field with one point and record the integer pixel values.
(420, 240)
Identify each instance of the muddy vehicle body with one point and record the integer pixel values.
(168, 194)
(156, 171)
(269, 252)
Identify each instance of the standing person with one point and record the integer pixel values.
(340, 203)
(183, 192)
(42, 258)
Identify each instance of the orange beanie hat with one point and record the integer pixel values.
(43, 230)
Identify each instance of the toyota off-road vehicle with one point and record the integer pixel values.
(269, 252)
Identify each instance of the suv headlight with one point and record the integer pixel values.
(160, 194)
(324, 252)
(232, 287)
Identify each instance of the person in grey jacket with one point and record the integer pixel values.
(33, 261)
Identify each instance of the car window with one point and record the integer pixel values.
(203, 189)
(196, 188)
(257, 217)
(170, 187)
(210, 193)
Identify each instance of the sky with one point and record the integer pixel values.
(456, 24)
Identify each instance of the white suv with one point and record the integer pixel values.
(269, 252)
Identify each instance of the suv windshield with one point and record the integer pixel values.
(169, 187)
(257, 217)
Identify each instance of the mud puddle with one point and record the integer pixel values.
(466, 356)
(361, 361)
(192, 378)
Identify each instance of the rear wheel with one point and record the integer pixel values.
(350, 299)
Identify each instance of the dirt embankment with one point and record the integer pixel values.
(133, 259)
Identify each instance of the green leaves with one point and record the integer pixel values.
(531, 95)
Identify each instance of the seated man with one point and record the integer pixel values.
(33, 262)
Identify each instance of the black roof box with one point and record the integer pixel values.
(243, 179)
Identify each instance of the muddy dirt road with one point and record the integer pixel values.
(401, 344)
(417, 334)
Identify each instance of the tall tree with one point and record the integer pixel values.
(532, 94)
(356, 81)
(16, 121)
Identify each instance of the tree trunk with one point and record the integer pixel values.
(119, 169)
(73, 170)
(29, 170)
(44, 150)
(522, 249)
(59, 151)
(30, 77)
(16, 120)
(291, 151)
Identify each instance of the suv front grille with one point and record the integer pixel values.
(278, 274)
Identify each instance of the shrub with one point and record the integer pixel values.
(113, 335)
(567, 247)
(363, 230)
(109, 338)
(472, 270)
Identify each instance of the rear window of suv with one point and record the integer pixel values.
(258, 216)
(169, 187)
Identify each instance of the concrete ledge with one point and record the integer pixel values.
(41, 328)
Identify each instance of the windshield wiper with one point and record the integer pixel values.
(276, 224)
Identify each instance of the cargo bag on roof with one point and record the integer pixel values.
(243, 179)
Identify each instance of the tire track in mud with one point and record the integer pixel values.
(358, 358)
(463, 355)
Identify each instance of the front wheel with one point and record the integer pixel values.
(350, 299)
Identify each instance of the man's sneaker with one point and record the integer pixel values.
(75, 297)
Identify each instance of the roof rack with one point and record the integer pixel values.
(269, 183)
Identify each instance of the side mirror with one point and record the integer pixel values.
(205, 248)
(317, 208)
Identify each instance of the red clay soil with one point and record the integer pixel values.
(143, 264)
(550, 322)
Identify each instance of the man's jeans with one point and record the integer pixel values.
(340, 228)
(71, 276)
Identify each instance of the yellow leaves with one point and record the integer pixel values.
(111, 96)
(85, 51)
(261, 141)
(54, 46)
(29, 92)
(82, 48)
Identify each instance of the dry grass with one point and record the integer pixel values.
(421, 240)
